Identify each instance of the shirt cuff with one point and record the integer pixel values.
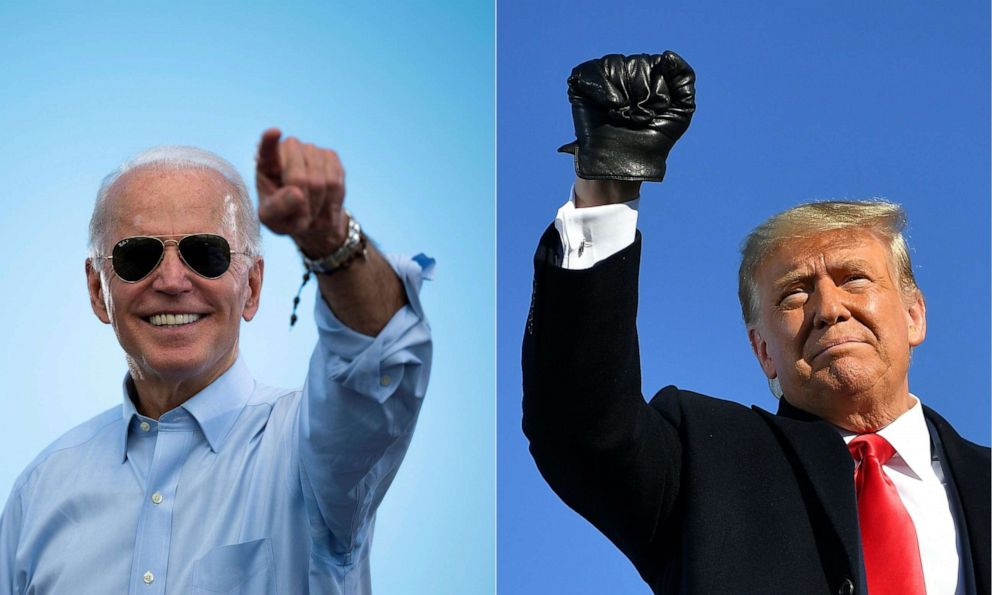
(376, 366)
(593, 234)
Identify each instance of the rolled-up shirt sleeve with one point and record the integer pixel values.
(360, 406)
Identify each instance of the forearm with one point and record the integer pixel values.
(364, 295)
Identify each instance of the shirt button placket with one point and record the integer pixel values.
(172, 445)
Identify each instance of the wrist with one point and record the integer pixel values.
(353, 247)
(594, 193)
(318, 244)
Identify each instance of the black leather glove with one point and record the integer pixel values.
(628, 112)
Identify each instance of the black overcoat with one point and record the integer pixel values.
(705, 496)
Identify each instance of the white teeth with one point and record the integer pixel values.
(173, 319)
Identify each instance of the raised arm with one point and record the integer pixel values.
(605, 452)
(369, 371)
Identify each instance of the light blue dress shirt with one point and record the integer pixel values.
(243, 489)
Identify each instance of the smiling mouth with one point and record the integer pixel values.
(172, 320)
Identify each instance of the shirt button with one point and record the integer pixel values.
(149, 577)
(145, 426)
(385, 380)
(156, 498)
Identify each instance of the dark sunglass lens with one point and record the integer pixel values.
(207, 254)
(134, 258)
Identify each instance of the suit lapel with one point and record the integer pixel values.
(967, 466)
(821, 457)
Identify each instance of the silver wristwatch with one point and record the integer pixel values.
(354, 246)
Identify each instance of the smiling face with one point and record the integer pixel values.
(836, 329)
(174, 325)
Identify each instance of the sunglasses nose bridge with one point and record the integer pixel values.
(174, 244)
(172, 268)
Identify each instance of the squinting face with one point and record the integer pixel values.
(146, 202)
(835, 327)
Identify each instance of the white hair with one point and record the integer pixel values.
(239, 217)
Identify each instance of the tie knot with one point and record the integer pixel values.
(871, 446)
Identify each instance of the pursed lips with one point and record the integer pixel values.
(824, 346)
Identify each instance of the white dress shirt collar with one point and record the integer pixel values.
(910, 437)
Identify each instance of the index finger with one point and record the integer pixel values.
(268, 154)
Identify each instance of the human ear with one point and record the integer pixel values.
(760, 348)
(916, 319)
(95, 286)
(255, 275)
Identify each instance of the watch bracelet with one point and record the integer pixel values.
(354, 246)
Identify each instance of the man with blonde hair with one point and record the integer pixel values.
(854, 486)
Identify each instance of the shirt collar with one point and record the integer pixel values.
(909, 436)
(130, 411)
(215, 408)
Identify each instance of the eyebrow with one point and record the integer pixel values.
(795, 275)
(790, 278)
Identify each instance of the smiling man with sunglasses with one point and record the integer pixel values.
(206, 481)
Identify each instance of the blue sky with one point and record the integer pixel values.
(404, 94)
(796, 102)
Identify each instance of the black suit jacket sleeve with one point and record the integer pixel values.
(609, 455)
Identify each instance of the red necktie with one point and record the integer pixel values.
(888, 536)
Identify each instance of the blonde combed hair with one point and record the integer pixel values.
(887, 219)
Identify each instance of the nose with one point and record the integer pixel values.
(829, 305)
(172, 275)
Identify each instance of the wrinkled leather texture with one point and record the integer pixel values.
(628, 112)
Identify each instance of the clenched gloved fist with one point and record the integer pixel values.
(628, 112)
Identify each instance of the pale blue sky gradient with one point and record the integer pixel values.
(796, 102)
(404, 94)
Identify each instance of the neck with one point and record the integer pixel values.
(874, 419)
(858, 412)
(155, 394)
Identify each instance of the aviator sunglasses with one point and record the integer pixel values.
(206, 254)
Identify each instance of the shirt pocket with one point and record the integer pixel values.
(244, 568)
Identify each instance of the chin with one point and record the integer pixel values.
(178, 365)
(847, 376)
(853, 389)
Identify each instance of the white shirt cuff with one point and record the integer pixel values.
(592, 234)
